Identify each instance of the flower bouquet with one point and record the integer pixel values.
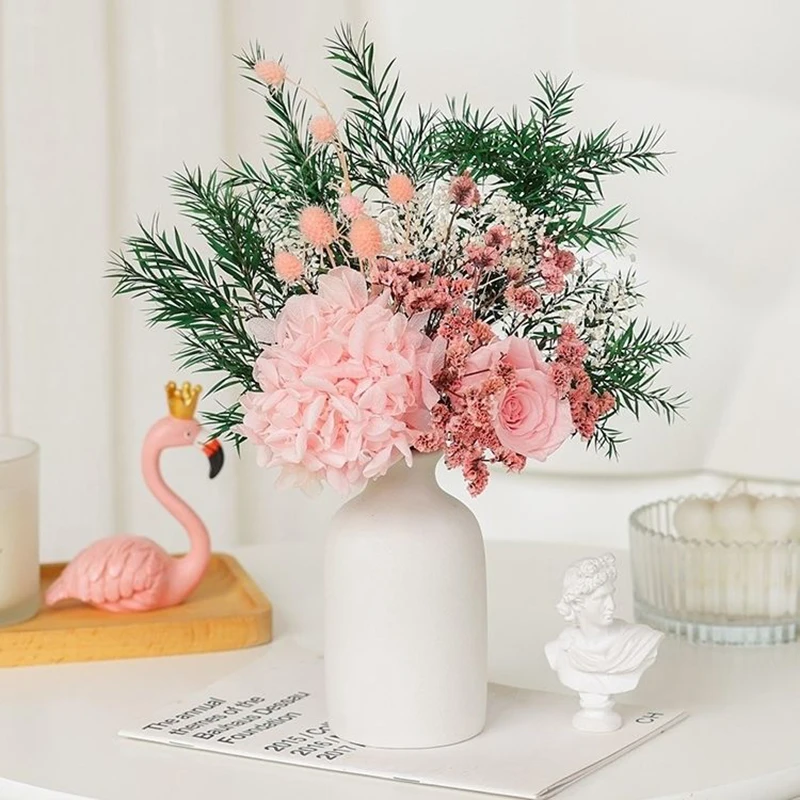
(391, 284)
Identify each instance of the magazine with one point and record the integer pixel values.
(274, 709)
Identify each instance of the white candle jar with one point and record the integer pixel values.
(19, 529)
(735, 587)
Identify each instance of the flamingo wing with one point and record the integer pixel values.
(120, 573)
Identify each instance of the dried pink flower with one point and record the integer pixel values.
(477, 476)
(481, 332)
(481, 258)
(607, 403)
(351, 205)
(498, 237)
(288, 266)
(570, 349)
(523, 299)
(514, 461)
(317, 226)
(565, 261)
(464, 191)
(456, 323)
(433, 297)
(581, 381)
(323, 129)
(365, 238)
(549, 248)
(553, 277)
(273, 73)
(585, 410)
(562, 377)
(516, 272)
(400, 189)
(459, 286)
(400, 276)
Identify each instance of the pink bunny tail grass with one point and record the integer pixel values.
(351, 206)
(323, 129)
(400, 189)
(288, 266)
(273, 73)
(365, 238)
(317, 226)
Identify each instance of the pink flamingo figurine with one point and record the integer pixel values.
(133, 573)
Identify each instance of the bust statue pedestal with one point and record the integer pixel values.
(596, 714)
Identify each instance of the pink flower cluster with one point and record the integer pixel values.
(401, 276)
(522, 298)
(573, 383)
(554, 266)
(498, 398)
(345, 389)
(400, 355)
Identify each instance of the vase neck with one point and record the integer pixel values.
(421, 471)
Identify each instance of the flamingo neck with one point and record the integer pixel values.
(188, 570)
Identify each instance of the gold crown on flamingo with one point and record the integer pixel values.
(182, 400)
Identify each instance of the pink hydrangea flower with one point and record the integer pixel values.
(532, 419)
(273, 73)
(323, 129)
(317, 226)
(345, 390)
(400, 189)
(288, 266)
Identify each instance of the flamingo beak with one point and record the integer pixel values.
(216, 456)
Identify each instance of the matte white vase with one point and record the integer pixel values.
(405, 614)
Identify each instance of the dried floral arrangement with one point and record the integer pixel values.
(386, 282)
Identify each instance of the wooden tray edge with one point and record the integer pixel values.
(249, 627)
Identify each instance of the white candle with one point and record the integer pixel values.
(19, 530)
(746, 571)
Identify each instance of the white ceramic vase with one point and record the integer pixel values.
(405, 614)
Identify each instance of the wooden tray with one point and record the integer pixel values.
(226, 611)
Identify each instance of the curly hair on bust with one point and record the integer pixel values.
(581, 579)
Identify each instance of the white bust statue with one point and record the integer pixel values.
(598, 656)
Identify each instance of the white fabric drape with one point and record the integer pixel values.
(101, 100)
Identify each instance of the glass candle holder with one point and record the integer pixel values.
(19, 529)
(710, 589)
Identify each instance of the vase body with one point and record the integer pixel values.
(405, 614)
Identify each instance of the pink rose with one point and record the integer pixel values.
(532, 419)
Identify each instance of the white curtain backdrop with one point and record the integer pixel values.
(100, 101)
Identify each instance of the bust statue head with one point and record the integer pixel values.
(587, 599)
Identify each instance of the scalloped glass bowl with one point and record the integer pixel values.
(712, 590)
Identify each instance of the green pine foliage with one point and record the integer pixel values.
(208, 293)
(540, 163)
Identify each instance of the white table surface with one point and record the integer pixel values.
(58, 724)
